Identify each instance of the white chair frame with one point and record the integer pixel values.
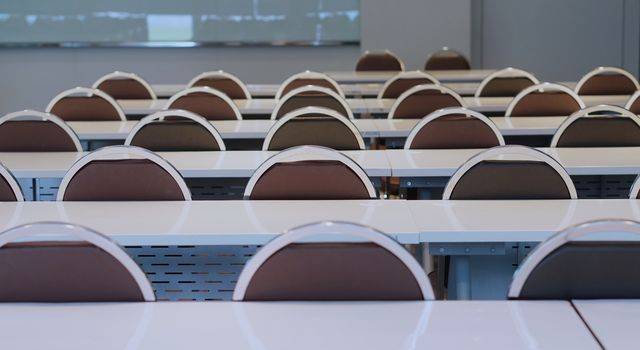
(385, 51)
(570, 234)
(302, 153)
(631, 100)
(452, 111)
(29, 114)
(117, 75)
(84, 234)
(339, 229)
(606, 71)
(118, 153)
(220, 75)
(88, 92)
(509, 151)
(329, 113)
(311, 88)
(508, 72)
(13, 183)
(159, 116)
(420, 88)
(543, 87)
(584, 113)
(416, 74)
(635, 188)
(309, 75)
(207, 90)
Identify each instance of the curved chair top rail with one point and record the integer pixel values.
(206, 90)
(584, 113)
(565, 236)
(632, 100)
(118, 75)
(340, 229)
(160, 115)
(542, 87)
(308, 75)
(86, 92)
(382, 52)
(312, 110)
(220, 74)
(85, 234)
(308, 153)
(121, 152)
(509, 151)
(29, 114)
(635, 189)
(508, 72)
(13, 183)
(452, 111)
(415, 74)
(424, 87)
(606, 71)
(311, 88)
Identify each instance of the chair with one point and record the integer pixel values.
(175, 130)
(421, 100)
(313, 126)
(125, 86)
(519, 172)
(205, 101)
(453, 128)
(544, 99)
(224, 82)
(311, 96)
(607, 81)
(10, 190)
(308, 78)
(90, 268)
(599, 126)
(85, 104)
(446, 59)
(33, 131)
(633, 104)
(403, 81)
(373, 267)
(506, 82)
(309, 172)
(634, 193)
(122, 173)
(379, 61)
(594, 260)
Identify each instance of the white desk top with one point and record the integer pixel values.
(444, 76)
(511, 221)
(211, 222)
(253, 106)
(614, 322)
(295, 325)
(228, 129)
(189, 164)
(577, 161)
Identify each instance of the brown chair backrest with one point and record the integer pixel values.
(379, 61)
(125, 89)
(226, 85)
(207, 105)
(455, 132)
(311, 100)
(53, 271)
(175, 135)
(312, 128)
(399, 86)
(634, 106)
(84, 108)
(423, 102)
(446, 60)
(294, 84)
(505, 86)
(608, 84)
(601, 131)
(34, 136)
(123, 180)
(7, 194)
(542, 104)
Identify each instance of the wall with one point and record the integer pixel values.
(29, 78)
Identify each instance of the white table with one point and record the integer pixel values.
(613, 322)
(444, 76)
(295, 325)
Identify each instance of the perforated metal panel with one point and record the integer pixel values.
(192, 272)
(217, 188)
(607, 186)
(39, 189)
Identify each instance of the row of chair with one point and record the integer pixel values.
(369, 265)
(386, 60)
